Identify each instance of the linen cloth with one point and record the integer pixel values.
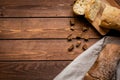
(77, 69)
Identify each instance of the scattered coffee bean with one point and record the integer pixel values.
(69, 38)
(78, 44)
(71, 48)
(86, 38)
(72, 22)
(72, 28)
(84, 29)
(79, 36)
(84, 47)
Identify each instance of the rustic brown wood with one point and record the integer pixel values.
(37, 48)
(43, 28)
(42, 70)
(37, 8)
(40, 49)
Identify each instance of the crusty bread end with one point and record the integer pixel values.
(110, 18)
(92, 10)
(80, 6)
(106, 64)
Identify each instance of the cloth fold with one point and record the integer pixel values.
(77, 69)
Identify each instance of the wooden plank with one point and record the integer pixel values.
(40, 49)
(43, 28)
(42, 70)
(37, 8)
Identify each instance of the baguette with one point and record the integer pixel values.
(106, 64)
(93, 9)
(86, 7)
(93, 14)
(110, 18)
(99, 13)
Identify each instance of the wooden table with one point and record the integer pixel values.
(33, 38)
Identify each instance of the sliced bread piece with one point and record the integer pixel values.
(93, 14)
(80, 6)
(106, 64)
(92, 10)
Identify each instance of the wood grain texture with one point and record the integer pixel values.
(115, 3)
(40, 49)
(41, 70)
(43, 28)
(32, 38)
(118, 2)
(37, 8)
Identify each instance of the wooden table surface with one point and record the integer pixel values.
(33, 38)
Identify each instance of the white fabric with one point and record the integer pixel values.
(77, 69)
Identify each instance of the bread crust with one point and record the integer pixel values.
(97, 20)
(99, 13)
(106, 64)
(92, 10)
(110, 18)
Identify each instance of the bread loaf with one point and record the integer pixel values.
(92, 9)
(99, 13)
(93, 14)
(106, 64)
(110, 18)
